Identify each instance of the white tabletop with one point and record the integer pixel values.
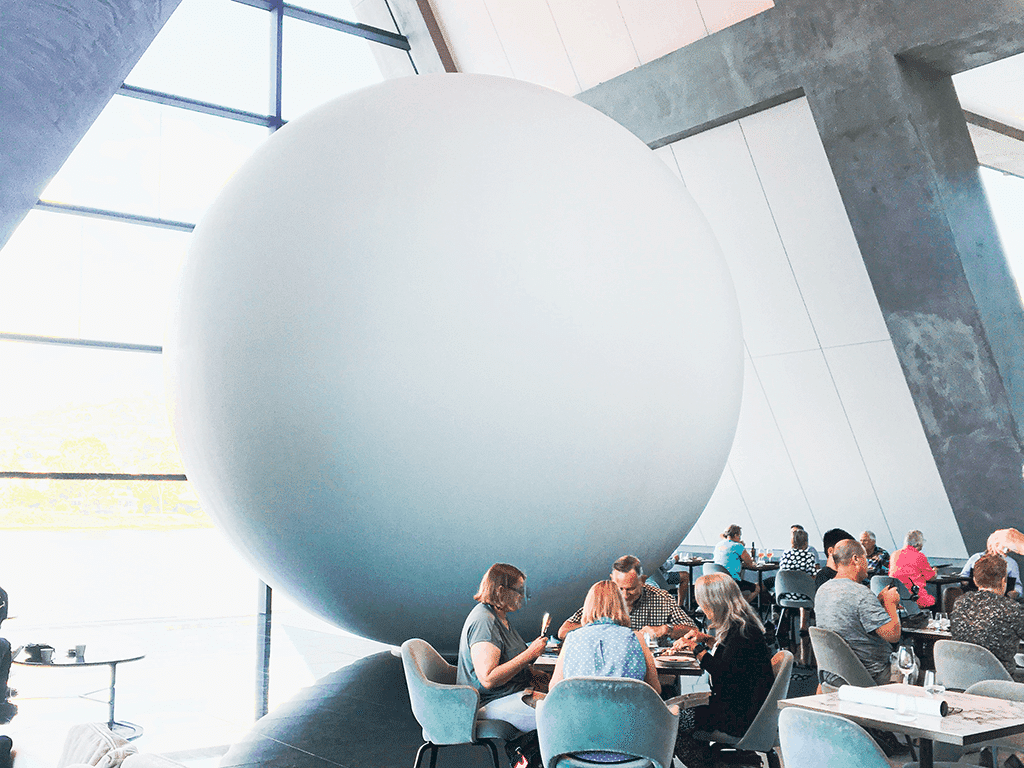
(972, 719)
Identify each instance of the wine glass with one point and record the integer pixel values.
(906, 662)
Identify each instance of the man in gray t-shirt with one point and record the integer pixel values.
(867, 623)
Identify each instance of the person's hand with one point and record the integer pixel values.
(684, 643)
(536, 648)
(1007, 539)
(889, 597)
(653, 631)
(1013, 594)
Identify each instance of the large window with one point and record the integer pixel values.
(102, 529)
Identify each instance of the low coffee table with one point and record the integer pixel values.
(100, 656)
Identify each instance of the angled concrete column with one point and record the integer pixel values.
(877, 78)
(60, 62)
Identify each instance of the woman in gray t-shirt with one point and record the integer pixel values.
(493, 657)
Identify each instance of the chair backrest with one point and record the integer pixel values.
(813, 739)
(961, 665)
(763, 732)
(949, 596)
(445, 711)
(998, 689)
(795, 582)
(834, 655)
(709, 568)
(907, 601)
(606, 714)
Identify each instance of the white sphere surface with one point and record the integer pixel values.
(447, 321)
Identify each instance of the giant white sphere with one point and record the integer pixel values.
(448, 321)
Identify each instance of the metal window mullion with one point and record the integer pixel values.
(59, 341)
(194, 105)
(108, 215)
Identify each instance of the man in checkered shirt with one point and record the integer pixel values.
(652, 611)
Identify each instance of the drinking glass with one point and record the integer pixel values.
(906, 662)
(930, 685)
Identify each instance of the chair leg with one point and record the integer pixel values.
(494, 752)
(773, 759)
(419, 754)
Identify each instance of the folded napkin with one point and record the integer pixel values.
(877, 697)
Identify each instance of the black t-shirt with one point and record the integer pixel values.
(825, 574)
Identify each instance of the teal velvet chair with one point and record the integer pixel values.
(815, 739)
(958, 666)
(763, 733)
(447, 712)
(708, 568)
(606, 714)
(789, 582)
(834, 655)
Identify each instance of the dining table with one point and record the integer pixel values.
(674, 664)
(971, 719)
(761, 567)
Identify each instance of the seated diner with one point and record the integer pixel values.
(651, 610)
(910, 566)
(988, 617)
(605, 646)
(738, 661)
(731, 555)
(493, 657)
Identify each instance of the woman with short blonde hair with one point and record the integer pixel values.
(493, 657)
(605, 601)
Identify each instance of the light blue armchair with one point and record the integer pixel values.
(447, 712)
(606, 714)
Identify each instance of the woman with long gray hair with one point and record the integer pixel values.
(736, 657)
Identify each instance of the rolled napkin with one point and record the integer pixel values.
(877, 697)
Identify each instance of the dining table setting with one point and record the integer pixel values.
(934, 715)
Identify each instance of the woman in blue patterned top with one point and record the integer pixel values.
(605, 646)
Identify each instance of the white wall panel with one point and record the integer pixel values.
(763, 470)
(815, 229)
(892, 441)
(719, 14)
(658, 27)
(720, 175)
(820, 442)
(471, 36)
(595, 35)
(532, 44)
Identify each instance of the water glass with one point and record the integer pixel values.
(930, 685)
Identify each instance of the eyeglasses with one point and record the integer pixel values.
(524, 591)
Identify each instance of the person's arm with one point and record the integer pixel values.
(490, 673)
(678, 623)
(567, 626)
(1007, 539)
(651, 675)
(926, 569)
(556, 676)
(745, 559)
(890, 600)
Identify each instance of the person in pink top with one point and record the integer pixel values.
(911, 567)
